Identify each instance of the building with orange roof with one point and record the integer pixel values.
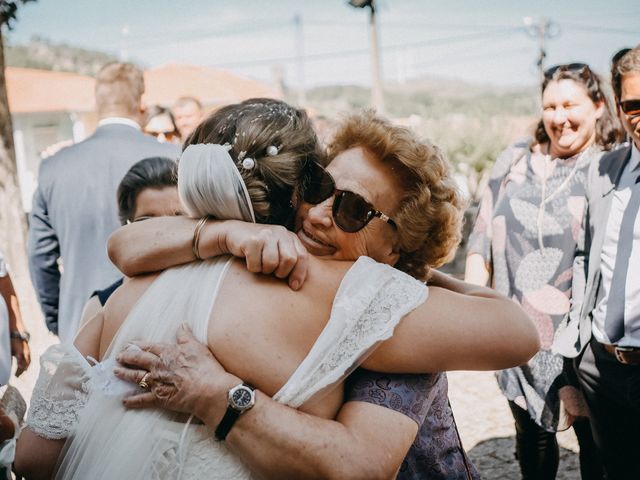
(46, 108)
(51, 109)
(213, 87)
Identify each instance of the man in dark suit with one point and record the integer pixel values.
(74, 207)
(602, 332)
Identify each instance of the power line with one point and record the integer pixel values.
(207, 33)
(599, 29)
(432, 25)
(360, 51)
(452, 60)
(234, 30)
(203, 34)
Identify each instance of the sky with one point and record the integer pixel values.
(477, 41)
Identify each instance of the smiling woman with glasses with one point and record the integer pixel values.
(382, 184)
(351, 211)
(523, 245)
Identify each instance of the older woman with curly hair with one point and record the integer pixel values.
(370, 201)
(428, 218)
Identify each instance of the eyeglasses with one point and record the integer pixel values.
(168, 136)
(573, 67)
(351, 212)
(631, 108)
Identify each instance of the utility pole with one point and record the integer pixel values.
(377, 96)
(299, 44)
(124, 50)
(541, 30)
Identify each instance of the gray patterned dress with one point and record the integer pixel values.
(527, 228)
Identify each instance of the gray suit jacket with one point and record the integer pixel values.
(74, 212)
(574, 332)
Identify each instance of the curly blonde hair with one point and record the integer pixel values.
(251, 128)
(429, 218)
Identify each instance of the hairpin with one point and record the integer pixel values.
(272, 150)
(248, 163)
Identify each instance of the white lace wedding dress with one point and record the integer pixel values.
(82, 402)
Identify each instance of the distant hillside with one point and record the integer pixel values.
(430, 97)
(470, 123)
(45, 55)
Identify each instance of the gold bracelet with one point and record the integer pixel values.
(195, 243)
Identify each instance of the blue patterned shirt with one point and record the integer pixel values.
(435, 453)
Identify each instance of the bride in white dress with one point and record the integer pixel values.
(288, 350)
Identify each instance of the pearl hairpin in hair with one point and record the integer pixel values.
(272, 150)
(248, 163)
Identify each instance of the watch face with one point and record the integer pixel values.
(241, 397)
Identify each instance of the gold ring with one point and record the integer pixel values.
(143, 382)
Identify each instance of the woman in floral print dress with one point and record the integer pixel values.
(523, 242)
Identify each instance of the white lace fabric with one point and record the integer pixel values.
(370, 302)
(60, 393)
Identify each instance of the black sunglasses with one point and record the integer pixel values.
(619, 54)
(631, 108)
(571, 67)
(351, 212)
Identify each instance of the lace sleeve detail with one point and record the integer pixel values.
(60, 392)
(370, 302)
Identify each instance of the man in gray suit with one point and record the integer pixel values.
(602, 332)
(74, 207)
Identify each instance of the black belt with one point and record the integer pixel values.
(625, 355)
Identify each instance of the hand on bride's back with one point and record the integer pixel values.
(269, 249)
(183, 377)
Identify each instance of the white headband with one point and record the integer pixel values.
(209, 183)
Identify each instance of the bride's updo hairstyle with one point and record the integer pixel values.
(270, 142)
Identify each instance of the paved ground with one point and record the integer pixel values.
(487, 431)
(483, 417)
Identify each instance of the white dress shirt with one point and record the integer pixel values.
(119, 121)
(627, 184)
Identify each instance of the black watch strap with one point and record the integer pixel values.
(232, 414)
(224, 427)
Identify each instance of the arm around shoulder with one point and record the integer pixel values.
(152, 245)
(459, 327)
(163, 242)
